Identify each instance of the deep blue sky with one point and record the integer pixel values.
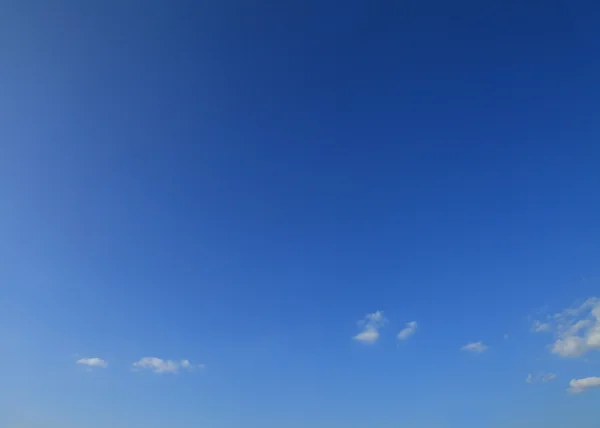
(239, 183)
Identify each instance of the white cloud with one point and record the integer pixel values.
(375, 317)
(577, 329)
(370, 327)
(570, 346)
(547, 377)
(577, 386)
(409, 330)
(539, 326)
(158, 365)
(579, 325)
(593, 336)
(92, 362)
(369, 335)
(540, 377)
(477, 347)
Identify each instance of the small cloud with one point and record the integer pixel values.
(92, 362)
(577, 386)
(158, 365)
(370, 327)
(375, 318)
(505, 336)
(185, 364)
(477, 347)
(539, 327)
(409, 330)
(368, 336)
(540, 377)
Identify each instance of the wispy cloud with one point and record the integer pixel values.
(409, 330)
(477, 347)
(158, 365)
(576, 329)
(370, 326)
(540, 377)
(577, 386)
(92, 362)
(540, 327)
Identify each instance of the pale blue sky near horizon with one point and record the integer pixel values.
(238, 184)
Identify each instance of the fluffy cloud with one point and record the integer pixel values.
(541, 377)
(367, 336)
(576, 329)
(577, 386)
(570, 346)
(370, 326)
(164, 366)
(92, 362)
(409, 330)
(477, 347)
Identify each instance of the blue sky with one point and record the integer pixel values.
(227, 214)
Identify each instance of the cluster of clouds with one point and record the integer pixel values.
(371, 325)
(153, 364)
(576, 333)
(576, 329)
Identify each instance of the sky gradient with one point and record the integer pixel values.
(301, 214)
